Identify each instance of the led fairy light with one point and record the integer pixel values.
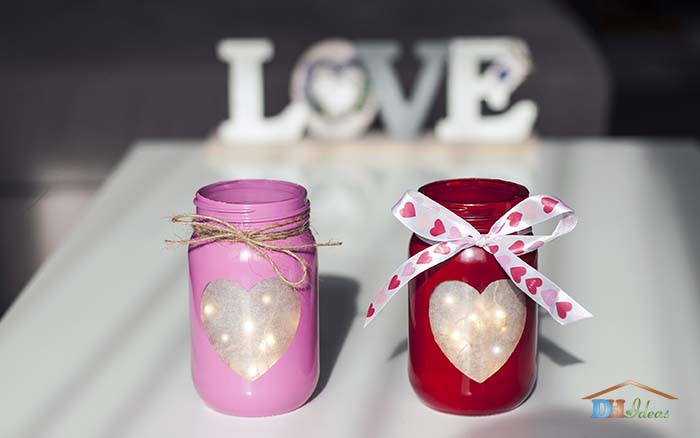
(250, 330)
(248, 327)
(477, 332)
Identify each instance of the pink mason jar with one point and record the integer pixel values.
(254, 335)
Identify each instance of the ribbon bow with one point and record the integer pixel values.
(449, 234)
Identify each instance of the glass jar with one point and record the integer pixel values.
(472, 333)
(254, 337)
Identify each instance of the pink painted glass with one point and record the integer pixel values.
(254, 338)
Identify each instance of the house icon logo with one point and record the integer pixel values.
(615, 408)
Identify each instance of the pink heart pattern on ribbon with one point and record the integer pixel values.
(502, 242)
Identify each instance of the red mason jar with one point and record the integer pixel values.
(472, 332)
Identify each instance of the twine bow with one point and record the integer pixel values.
(449, 234)
(211, 229)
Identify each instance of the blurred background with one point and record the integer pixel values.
(81, 81)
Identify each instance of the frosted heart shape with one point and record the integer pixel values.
(477, 332)
(250, 329)
(338, 89)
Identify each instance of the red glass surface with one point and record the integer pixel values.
(437, 382)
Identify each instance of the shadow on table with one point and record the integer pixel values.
(556, 353)
(555, 422)
(337, 309)
(115, 339)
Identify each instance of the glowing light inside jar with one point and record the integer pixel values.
(248, 327)
(252, 371)
(245, 255)
(209, 309)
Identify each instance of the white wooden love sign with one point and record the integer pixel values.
(339, 87)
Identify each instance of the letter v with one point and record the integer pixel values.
(403, 118)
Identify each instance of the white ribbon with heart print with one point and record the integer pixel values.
(449, 234)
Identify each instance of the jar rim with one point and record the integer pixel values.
(252, 200)
(476, 199)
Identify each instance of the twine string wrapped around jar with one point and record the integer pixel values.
(212, 229)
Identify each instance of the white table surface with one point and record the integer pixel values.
(97, 343)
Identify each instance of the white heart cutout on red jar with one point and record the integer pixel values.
(477, 332)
